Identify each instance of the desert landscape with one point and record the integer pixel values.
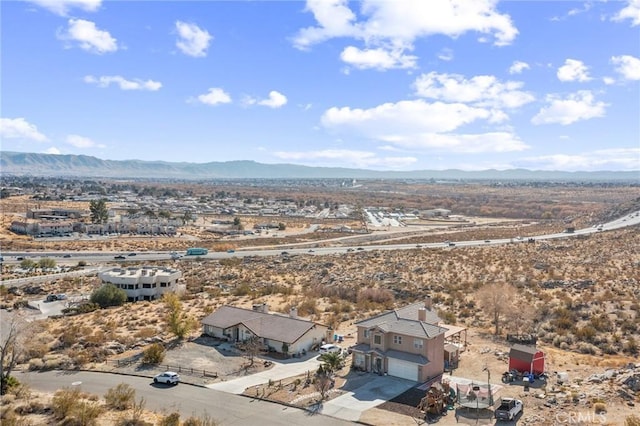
(579, 296)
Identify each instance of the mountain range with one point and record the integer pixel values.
(52, 165)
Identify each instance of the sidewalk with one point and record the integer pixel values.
(281, 370)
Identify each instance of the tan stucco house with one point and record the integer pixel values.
(406, 342)
(274, 330)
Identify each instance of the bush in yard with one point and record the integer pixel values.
(204, 420)
(64, 401)
(172, 419)
(120, 397)
(108, 295)
(154, 354)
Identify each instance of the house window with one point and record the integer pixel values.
(367, 334)
(397, 339)
(377, 339)
(417, 343)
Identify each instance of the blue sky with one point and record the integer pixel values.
(385, 85)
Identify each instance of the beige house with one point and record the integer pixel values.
(406, 342)
(275, 331)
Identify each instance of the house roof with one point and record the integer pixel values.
(523, 352)
(405, 321)
(268, 326)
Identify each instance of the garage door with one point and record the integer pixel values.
(403, 369)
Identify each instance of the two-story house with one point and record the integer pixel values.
(406, 342)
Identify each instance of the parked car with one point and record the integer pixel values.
(330, 347)
(231, 251)
(119, 257)
(51, 298)
(67, 255)
(509, 409)
(168, 377)
(132, 254)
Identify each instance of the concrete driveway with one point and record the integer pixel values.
(370, 392)
(280, 370)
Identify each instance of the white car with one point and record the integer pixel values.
(168, 377)
(330, 347)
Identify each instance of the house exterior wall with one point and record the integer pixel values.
(143, 284)
(313, 336)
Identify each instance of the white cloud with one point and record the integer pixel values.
(62, 7)
(604, 159)
(275, 100)
(630, 11)
(215, 96)
(53, 150)
(404, 117)
(82, 142)
(88, 36)
(518, 66)
(628, 66)
(481, 90)
(387, 22)
(387, 26)
(463, 143)
(577, 106)
(378, 58)
(192, 41)
(19, 128)
(608, 80)
(135, 84)
(573, 70)
(446, 54)
(351, 158)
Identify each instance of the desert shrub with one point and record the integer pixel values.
(587, 348)
(146, 333)
(36, 364)
(447, 316)
(33, 407)
(242, 290)
(204, 420)
(600, 407)
(631, 346)
(64, 401)
(108, 295)
(85, 413)
(172, 419)
(632, 420)
(376, 295)
(587, 333)
(154, 354)
(120, 397)
(308, 307)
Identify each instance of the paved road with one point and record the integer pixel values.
(632, 219)
(189, 400)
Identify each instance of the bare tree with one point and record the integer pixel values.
(251, 348)
(322, 384)
(497, 299)
(13, 339)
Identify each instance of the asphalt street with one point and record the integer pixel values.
(188, 400)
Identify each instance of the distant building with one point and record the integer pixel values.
(145, 283)
(54, 213)
(435, 213)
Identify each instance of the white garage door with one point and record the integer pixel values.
(403, 369)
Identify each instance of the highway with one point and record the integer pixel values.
(102, 257)
(188, 400)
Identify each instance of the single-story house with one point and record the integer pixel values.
(279, 333)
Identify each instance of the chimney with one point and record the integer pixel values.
(427, 303)
(422, 314)
(293, 312)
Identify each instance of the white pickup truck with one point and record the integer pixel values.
(509, 409)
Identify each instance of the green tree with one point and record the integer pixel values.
(99, 211)
(108, 295)
(331, 362)
(179, 323)
(237, 223)
(282, 226)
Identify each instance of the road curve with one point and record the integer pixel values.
(188, 400)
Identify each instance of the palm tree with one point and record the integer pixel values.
(331, 361)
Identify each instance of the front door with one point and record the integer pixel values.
(378, 365)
